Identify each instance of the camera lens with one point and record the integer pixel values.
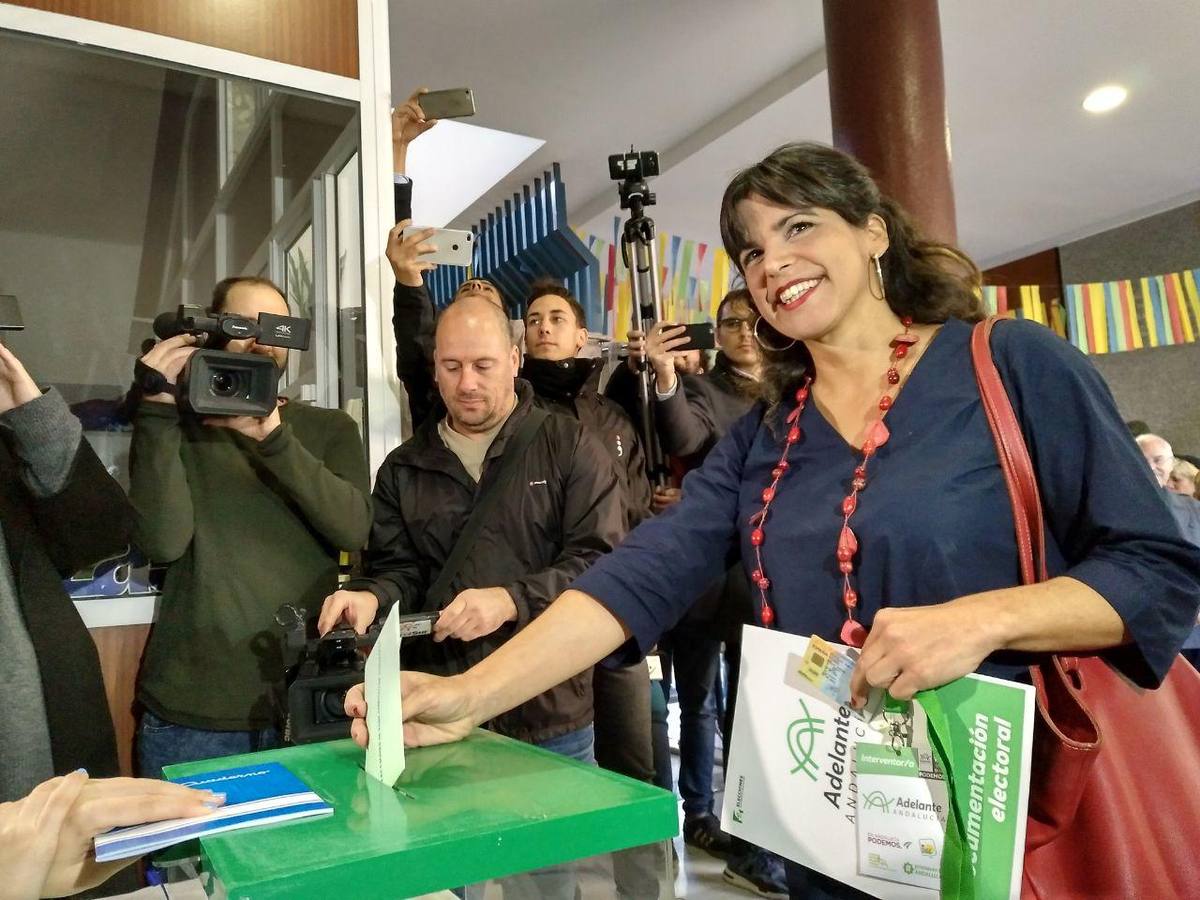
(223, 384)
(333, 704)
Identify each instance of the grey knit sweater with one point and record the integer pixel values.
(44, 437)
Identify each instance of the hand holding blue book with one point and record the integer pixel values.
(254, 796)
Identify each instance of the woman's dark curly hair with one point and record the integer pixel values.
(927, 280)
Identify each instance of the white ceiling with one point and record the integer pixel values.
(714, 85)
(1033, 170)
(592, 77)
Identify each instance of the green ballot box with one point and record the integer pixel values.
(461, 815)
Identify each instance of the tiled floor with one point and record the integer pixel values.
(700, 877)
(700, 874)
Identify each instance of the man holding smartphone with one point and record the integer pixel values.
(407, 251)
(690, 422)
(555, 332)
(567, 384)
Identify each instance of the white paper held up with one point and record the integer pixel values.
(385, 717)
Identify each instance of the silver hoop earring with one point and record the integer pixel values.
(882, 295)
(767, 346)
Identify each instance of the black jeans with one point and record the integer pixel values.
(622, 715)
(660, 738)
(806, 884)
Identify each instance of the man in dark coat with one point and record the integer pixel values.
(555, 510)
(555, 332)
(561, 383)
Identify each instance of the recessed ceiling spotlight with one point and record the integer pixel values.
(1105, 99)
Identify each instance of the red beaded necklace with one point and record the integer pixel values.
(853, 632)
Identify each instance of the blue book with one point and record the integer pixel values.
(254, 795)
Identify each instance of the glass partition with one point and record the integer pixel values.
(131, 188)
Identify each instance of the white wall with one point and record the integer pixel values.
(76, 298)
(73, 205)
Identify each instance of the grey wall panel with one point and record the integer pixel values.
(1168, 242)
(1160, 386)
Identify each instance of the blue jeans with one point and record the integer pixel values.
(161, 743)
(580, 745)
(695, 661)
(554, 882)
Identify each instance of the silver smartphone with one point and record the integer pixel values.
(455, 103)
(10, 314)
(454, 247)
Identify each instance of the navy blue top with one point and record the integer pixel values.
(934, 522)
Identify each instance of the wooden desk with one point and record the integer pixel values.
(119, 628)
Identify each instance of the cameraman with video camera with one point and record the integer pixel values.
(249, 512)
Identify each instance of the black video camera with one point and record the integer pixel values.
(632, 169)
(325, 668)
(217, 383)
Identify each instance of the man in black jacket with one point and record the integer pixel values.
(691, 421)
(556, 510)
(61, 512)
(559, 511)
(555, 331)
(561, 383)
(412, 312)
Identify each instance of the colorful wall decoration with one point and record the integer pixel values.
(693, 277)
(524, 240)
(1027, 302)
(1154, 311)
(1112, 316)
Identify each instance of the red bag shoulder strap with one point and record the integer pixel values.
(1014, 456)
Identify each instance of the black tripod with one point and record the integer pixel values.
(639, 251)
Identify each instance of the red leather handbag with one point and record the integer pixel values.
(1112, 807)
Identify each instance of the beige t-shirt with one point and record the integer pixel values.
(471, 450)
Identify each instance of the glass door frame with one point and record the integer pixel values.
(314, 205)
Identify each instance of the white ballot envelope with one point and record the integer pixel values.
(385, 717)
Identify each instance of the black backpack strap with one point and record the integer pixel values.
(485, 505)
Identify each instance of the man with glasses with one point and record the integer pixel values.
(714, 402)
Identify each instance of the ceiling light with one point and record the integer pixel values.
(1105, 99)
